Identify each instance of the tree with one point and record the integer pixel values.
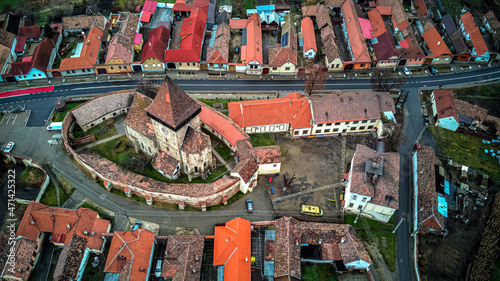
(315, 76)
(396, 138)
(147, 88)
(48, 31)
(385, 79)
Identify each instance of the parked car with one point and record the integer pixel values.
(432, 70)
(406, 71)
(237, 50)
(158, 269)
(311, 210)
(249, 206)
(137, 225)
(9, 147)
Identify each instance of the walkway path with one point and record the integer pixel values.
(221, 159)
(105, 140)
(281, 198)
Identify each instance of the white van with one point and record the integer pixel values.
(55, 126)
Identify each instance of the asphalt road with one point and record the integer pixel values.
(41, 105)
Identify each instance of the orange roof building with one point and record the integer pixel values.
(88, 57)
(232, 249)
(360, 56)
(130, 255)
(63, 224)
(310, 48)
(438, 49)
(472, 34)
(378, 25)
(444, 110)
(287, 114)
(252, 51)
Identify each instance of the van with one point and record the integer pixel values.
(311, 210)
(158, 268)
(55, 126)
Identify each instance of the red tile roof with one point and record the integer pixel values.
(172, 105)
(121, 45)
(20, 44)
(232, 249)
(181, 5)
(254, 40)
(308, 34)
(474, 33)
(385, 190)
(378, 25)
(31, 32)
(183, 257)
(421, 8)
(246, 169)
(290, 109)
(222, 124)
(89, 54)
(268, 154)
(157, 44)
(137, 118)
(130, 254)
(435, 43)
(195, 141)
(23, 251)
(358, 44)
(444, 104)
(385, 48)
(165, 162)
(63, 223)
(39, 61)
(219, 53)
(148, 10)
(192, 33)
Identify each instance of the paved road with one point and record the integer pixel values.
(41, 104)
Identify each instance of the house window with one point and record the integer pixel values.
(318, 131)
(328, 124)
(188, 65)
(287, 68)
(34, 75)
(180, 64)
(337, 124)
(335, 130)
(327, 130)
(142, 145)
(304, 132)
(355, 122)
(364, 121)
(362, 65)
(370, 127)
(351, 204)
(274, 165)
(194, 64)
(119, 67)
(354, 197)
(275, 68)
(83, 70)
(360, 207)
(72, 71)
(362, 127)
(373, 121)
(204, 164)
(195, 169)
(67, 72)
(320, 125)
(353, 129)
(112, 67)
(347, 123)
(364, 199)
(149, 148)
(186, 166)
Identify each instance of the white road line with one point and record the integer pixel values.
(460, 78)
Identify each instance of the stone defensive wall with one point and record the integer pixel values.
(199, 195)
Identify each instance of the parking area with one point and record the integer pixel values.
(311, 174)
(15, 119)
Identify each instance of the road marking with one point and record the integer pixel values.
(460, 78)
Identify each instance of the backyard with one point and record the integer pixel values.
(101, 131)
(373, 233)
(265, 139)
(466, 150)
(59, 116)
(318, 272)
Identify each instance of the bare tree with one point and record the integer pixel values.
(315, 76)
(147, 88)
(384, 79)
(396, 138)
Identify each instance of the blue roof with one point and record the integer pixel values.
(264, 8)
(446, 187)
(268, 268)
(442, 205)
(270, 234)
(284, 39)
(220, 273)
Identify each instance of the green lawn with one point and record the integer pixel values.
(484, 92)
(318, 272)
(224, 151)
(59, 116)
(262, 139)
(49, 198)
(377, 230)
(466, 150)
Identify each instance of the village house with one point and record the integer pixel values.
(373, 186)
(120, 52)
(183, 257)
(360, 57)
(218, 53)
(27, 34)
(153, 52)
(130, 255)
(7, 53)
(269, 19)
(438, 51)
(430, 217)
(443, 110)
(84, 62)
(232, 250)
(474, 38)
(302, 241)
(66, 228)
(308, 38)
(386, 54)
(168, 130)
(290, 114)
(283, 59)
(454, 39)
(77, 24)
(333, 59)
(148, 11)
(252, 47)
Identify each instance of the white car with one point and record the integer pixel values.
(8, 147)
(406, 71)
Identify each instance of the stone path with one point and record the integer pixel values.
(105, 140)
(221, 159)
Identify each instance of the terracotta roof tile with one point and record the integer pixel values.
(428, 212)
(385, 190)
(6, 38)
(89, 54)
(83, 22)
(378, 25)
(70, 259)
(132, 248)
(308, 34)
(474, 33)
(39, 60)
(121, 45)
(219, 53)
(157, 44)
(385, 48)
(494, 24)
(330, 44)
(183, 257)
(165, 162)
(172, 106)
(435, 43)
(349, 105)
(287, 53)
(334, 3)
(23, 251)
(322, 14)
(271, 111)
(421, 8)
(254, 45)
(195, 142)
(232, 249)
(246, 168)
(478, 114)
(458, 43)
(31, 32)
(356, 38)
(137, 118)
(268, 154)
(444, 104)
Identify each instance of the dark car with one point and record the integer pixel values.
(249, 206)
(432, 70)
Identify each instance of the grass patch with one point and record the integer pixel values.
(9, 5)
(466, 150)
(377, 230)
(318, 272)
(222, 101)
(262, 139)
(59, 116)
(32, 176)
(231, 200)
(224, 151)
(49, 198)
(486, 91)
(250, 4)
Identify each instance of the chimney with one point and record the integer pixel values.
(374, 178)
(343, 240)
(85, 232)
(289, 102)
(32, 222)
(68, 226)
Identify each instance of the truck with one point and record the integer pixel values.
(55, 126)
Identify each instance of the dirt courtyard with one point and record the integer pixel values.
(316, 163)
